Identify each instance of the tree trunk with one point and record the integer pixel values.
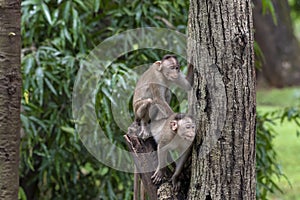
(281, 66)
(10, 94)
(221, 49)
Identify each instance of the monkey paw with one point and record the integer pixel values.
(157, 177)
(144, 134)
(149, 100)
(133, 129)
(176, 184)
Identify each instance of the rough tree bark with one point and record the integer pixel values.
(10, 90)
(280, 47)
(221, 47)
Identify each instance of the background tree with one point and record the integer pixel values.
(222, 52)
(274, 34)
(10, 96)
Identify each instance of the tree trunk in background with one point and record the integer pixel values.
(279, 45)
(221, 49)
(10, 94)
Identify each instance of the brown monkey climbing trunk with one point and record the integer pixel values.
(281, 66)
(221, 47)
(143, 162)
(10, 84)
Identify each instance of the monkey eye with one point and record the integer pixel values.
(174, 67)
(187, 127)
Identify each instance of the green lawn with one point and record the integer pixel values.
(286, 142)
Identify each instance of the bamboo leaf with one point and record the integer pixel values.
(47, 13)
(50, 86)
(96, 5)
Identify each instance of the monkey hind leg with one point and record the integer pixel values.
(141, 109)
(145, 130)
(142, 117)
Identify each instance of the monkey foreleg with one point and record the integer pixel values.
(136, 185)
(158, 176)
(176, 184)
(179, 166)
(160, 171)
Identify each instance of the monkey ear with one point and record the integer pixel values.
(173, 125)
(158, 63)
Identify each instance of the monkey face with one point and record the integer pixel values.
(186, 129)
(170, 69)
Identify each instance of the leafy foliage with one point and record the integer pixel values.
(266, 157)
(267, 166)
(267, 6)
(57, 35)
(54, 164)
(295, 8)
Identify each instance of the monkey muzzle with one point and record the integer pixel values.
(188, 135)
(173, 77)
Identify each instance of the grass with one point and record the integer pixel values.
(278, 98)
(286, 142)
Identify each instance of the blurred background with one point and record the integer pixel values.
(56, 37)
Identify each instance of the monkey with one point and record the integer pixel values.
(153, 85)
(177, 132)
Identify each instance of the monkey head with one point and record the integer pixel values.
(184, 126)
(169, 67)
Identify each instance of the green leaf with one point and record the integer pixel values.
(108, 95)
(128, 12)
(82, 5)
(40, 82)
(28, 63)
(164, 9)
(50, 86)
(145, 9)
(67, 90)
(267, 5)
(96, 5)
(39, 122)
(21, 194)
(67, 34)
(47, 13)
(67, 11)
(75, 26)
(68, 129)
(55, 16)
(30, 2)
(104, 171)
(122, 81)
(52, 77)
